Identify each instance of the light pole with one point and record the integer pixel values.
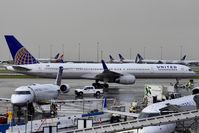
(51, 50)
(39, 51)
(63, 49)
(79, 51)
(161, 52)
(181, 47)
(144, 51)
(101, 54)
(97, 51)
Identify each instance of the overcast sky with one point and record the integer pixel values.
(120, 26)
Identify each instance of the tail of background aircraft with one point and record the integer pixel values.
(56, 56)
(139, 58)
(60, 59)
(121, 57)
(183, 58)
(136, 59)
(19, 53)
(111, 58)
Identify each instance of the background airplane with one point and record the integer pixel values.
(123, 60)
(56, 59)
(167, 107)
(148, 61)
(112, 60)
(125, 73)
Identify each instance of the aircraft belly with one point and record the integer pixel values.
(46, 95)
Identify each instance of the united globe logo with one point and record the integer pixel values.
(24, 57)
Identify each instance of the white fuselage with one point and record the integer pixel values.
(34, 93)
(90, 70)
(185, 103)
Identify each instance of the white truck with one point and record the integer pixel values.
(88, 90)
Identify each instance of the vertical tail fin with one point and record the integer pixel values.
(104, 65)
(59, 76)
(140, 57)
(56, 56)
(60, 59)
(111, 58)
(136, 59)
(121, 57)
(19, 53)
(183, 58)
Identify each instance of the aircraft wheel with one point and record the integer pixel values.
(95, 85)
(97, 93)
(106, 85)
(80, 93)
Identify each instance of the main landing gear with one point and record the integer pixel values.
(98, 85)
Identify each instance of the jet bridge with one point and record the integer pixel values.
(139, 123)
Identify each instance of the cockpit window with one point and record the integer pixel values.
(190, 69)
(147, 115)
(22, 92)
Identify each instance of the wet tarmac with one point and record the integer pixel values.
(124, 94)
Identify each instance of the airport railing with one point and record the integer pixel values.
(139, 123)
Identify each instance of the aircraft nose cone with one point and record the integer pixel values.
(21, 100)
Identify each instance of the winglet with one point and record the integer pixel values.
(104, 65)
(19, 53)
(59, 76)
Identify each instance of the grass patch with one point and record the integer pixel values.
(16, 76)
(5, 71)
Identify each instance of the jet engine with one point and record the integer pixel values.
(126, 79)
(65, 88)
(195, 90)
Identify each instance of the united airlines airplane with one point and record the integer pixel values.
(108, 73)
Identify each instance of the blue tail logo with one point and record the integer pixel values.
(19, 53)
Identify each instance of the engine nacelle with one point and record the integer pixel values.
(65, 88)
(195, 90)
(126, 79)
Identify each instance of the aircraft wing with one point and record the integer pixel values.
(5, 99)
(89, 76)
(107, 75)
(135, 115)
